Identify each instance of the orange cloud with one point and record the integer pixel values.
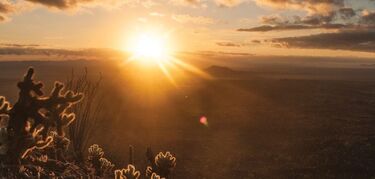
(323, 7)
(185, 18)
(228, 3)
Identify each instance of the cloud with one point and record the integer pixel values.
(228, 3)
(238, 44)
(11, 7)
(322, 7)
(266, 28)
(156, 14)
(278, 23)
(316, 19)
(34, 49)
(218, 53)
(256, 41)
(273, 20)
(61, 4)
(6, 7)
(202, 3)
(191, 3)
(19, 45)
(368, 17)
(321, 14)
(2, 18)
(359, 40)
(343, 18)
(354, 30)
(72, 4)
(186, 18)
(228, 44)
(347, 12)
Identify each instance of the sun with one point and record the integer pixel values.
(150, 47)
(153, 50)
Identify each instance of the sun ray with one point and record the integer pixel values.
(152, 49)
(191, 68)
(167, 74)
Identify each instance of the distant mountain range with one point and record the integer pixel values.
(215, 69)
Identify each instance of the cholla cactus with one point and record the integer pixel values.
(3, 141)
(118, 174)
(46, 113)
(4, 106)
(162, 164)
(129, 173)
(59, 147)
(155, 176)
(97, 162)
(4, 111)
(106, 166)
(34, 141)
(95, 152)
(59, 142)
(165, 161)
(57, 116)
(94, 156)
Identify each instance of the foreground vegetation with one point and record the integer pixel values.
(33, 142)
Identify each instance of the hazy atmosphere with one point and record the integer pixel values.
(187, 89)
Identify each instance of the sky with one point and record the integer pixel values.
(255, 27)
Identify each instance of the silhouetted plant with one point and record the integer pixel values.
(106, 168)
(33, 143)
(33, 114)
(127, 173)
(25, 128)
(155, 176)
(87, 112)
(4, 111)
(99, 165)
(161, 164)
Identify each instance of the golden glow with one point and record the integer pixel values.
(149, 47)
(152, 49)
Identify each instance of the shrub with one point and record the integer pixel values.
(33, 143)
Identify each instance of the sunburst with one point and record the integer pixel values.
(149, 48)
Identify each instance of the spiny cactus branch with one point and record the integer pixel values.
(4, 106)
(162, 163)
(127, 173)
(45, 113)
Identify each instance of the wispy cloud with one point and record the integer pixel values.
(72, 4)
(229, 3)
(39, 50)
(237, 44)
(189, 3)
(186, 18)
(6, 8)
(278, 23)
(322, 7)
(19, 45)
(156, 14)
(228, 44)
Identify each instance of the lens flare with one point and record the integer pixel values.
(203, 120)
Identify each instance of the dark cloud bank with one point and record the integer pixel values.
(363, 41)
(354, 28)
